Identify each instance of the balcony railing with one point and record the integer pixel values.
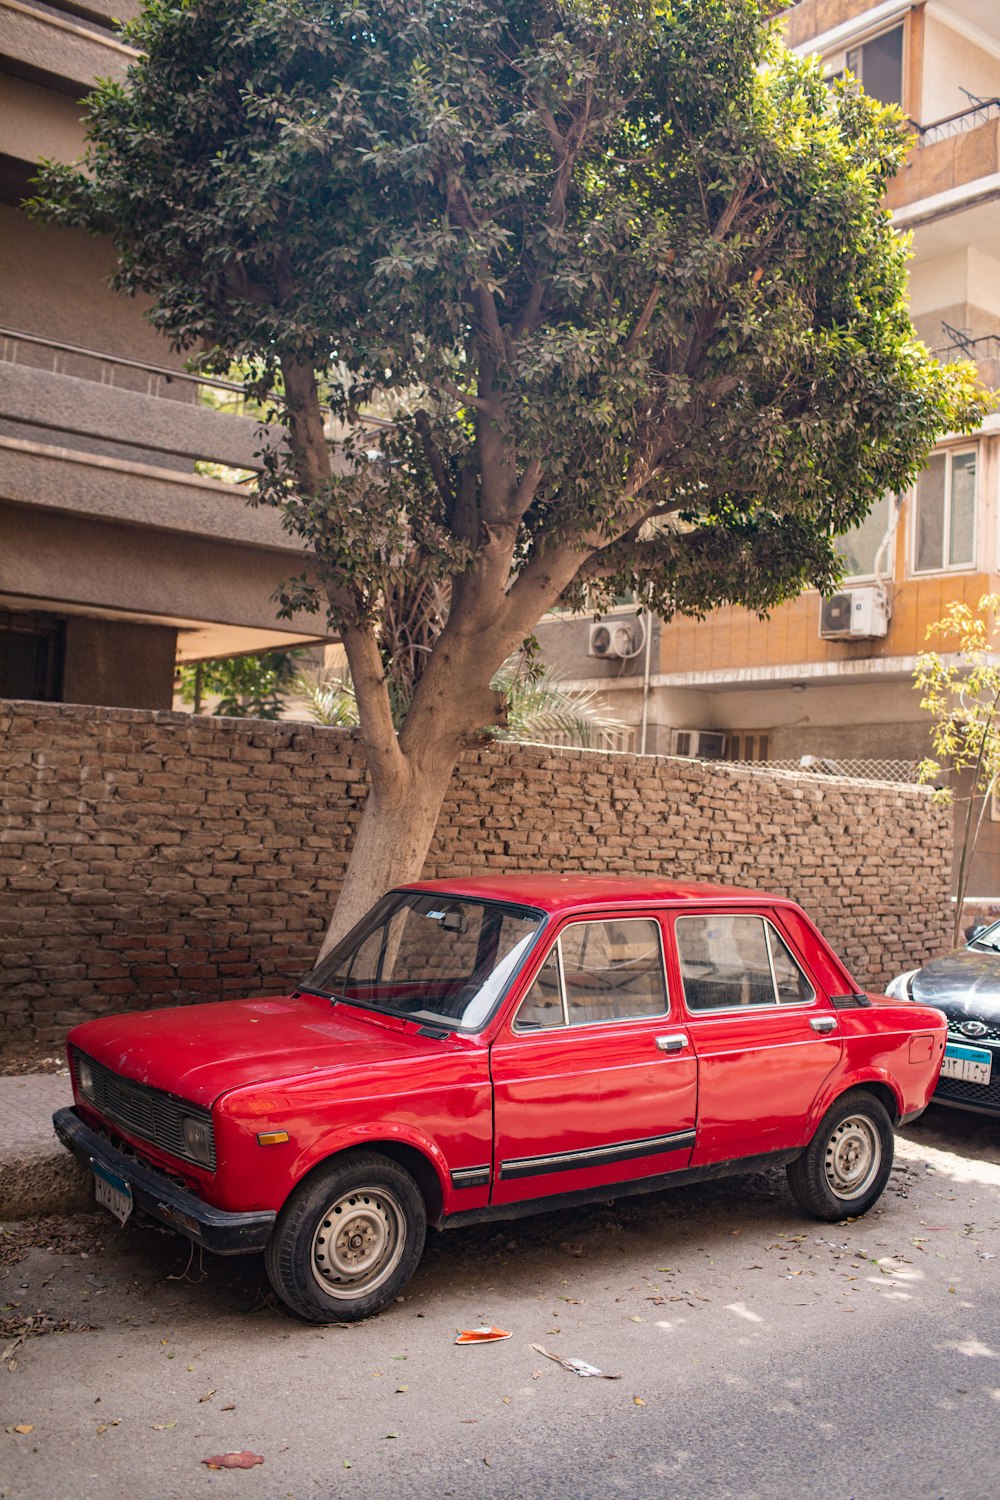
(964, 119)
(961, 345)
(18, 347)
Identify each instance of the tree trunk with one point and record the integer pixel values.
(393, 838)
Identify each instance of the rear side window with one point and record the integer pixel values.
(598, 971)
(730, 961)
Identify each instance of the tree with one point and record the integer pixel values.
(538, 707)
(961, 692)
(619, 265)
(248, 686)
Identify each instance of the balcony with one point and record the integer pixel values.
(124, 492)
(948, 154)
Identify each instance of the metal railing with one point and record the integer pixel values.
(962, 345)
(118, 370)
(978, 113)
(899, 772)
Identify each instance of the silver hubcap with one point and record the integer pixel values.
(358, 1242)
(853, 1156)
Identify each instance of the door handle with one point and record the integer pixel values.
(675, 1043)
(823, 1024)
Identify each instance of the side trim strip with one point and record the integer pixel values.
(468, 1177)
(595, 1156)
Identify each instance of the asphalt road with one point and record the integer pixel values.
(762, 1356)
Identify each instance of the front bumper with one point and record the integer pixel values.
(213, 1228)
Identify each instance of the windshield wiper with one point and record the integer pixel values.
(313, 989)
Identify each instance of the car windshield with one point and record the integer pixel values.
(990, 938)
(429, 956)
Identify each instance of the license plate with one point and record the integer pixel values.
(112, 1191)
(970, 1064)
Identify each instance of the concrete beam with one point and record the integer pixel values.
(67, 404)
(139, 495)
(50, 560)
(68, 52)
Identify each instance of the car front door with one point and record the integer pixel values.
(594, 1077)
(765, 1036)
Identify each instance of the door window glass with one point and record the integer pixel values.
(598, 971)
(733, 961)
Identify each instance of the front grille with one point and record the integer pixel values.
(148, 1113)
(955, 1032)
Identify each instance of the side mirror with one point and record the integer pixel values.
(976, 930)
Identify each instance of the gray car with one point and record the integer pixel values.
(966, 986)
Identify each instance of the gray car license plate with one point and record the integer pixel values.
(112, 1191)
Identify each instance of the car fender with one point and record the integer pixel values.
(840, 1082)
(372, 1136)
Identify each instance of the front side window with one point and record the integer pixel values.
(598, 971)
(429, 956)
(732, 961)
(946, 513)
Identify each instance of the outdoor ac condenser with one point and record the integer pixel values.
(616, 638)
(698, 744)
(854, 615)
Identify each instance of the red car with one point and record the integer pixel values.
(486, 1048)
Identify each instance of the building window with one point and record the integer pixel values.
(859, 547)
(748, 747)
(31, 656)
(877, 65)
(945, 525)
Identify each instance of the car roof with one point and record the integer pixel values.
(565, 892)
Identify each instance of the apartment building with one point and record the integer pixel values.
(122, 550)
(832, 679)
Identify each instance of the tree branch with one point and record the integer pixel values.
(434, 460)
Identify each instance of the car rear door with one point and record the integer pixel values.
(594, 1078)
(765, 1035)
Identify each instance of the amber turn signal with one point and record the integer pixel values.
(272, 1137)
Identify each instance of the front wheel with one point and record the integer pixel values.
(348, 1239)
(846, 1165)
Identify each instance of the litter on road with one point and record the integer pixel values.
(482, 1336)
(577, 1366)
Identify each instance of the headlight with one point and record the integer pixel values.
(899, 988)
(197, 1139)
(84, 1076)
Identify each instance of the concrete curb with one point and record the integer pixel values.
(37, 1174)
(43, 1183)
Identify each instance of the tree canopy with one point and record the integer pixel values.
(617, 268)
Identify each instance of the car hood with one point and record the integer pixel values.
(962, 984)
(199, 1052)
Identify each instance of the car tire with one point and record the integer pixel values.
(846, 1165)
(348, 1239)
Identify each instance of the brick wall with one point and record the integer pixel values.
(152, 857)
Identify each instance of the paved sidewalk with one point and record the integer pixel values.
(37, 1175)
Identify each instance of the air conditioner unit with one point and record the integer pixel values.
(698, 744)
(615, 638)
(854, 615)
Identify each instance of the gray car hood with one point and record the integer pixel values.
(964, 984)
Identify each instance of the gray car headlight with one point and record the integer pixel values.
(899, 988)
(197, 1139)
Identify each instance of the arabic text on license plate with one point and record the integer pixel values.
(970, 1064)
(112, 1191)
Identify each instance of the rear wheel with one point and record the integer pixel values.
(846, 1165)
(348, 1239)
